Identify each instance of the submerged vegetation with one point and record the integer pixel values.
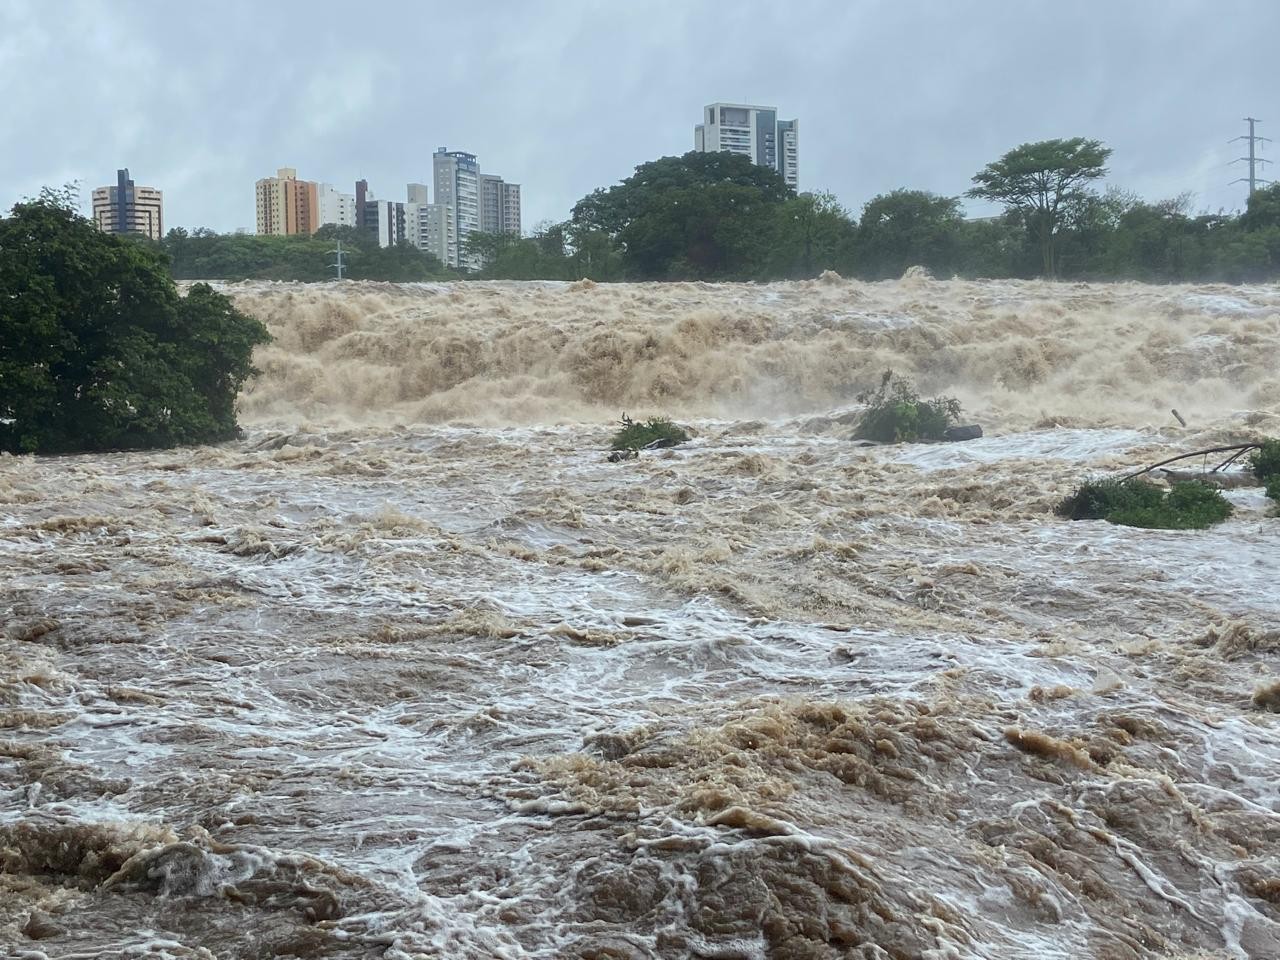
(648, 434)
(897, 414)
(1186, 505)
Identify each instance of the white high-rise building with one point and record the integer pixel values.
(753, 131)
(457, 182)
(499, 205)
(335, 207)
(424, 222)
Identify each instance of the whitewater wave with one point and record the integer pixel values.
(1018, 353)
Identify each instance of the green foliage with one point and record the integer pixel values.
(654, 432)
(1041, 181)
(907, 228)
(555, 251)
(98, 350)
(1263, 209)
(1097, 499)
(1187, 505)
(697, 216)
(1265, 462)
(896, 414)
(206, 255)
(810, 233)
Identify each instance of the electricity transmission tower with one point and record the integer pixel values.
(338, 264)
(1252, 159)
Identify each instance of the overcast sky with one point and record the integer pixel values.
(201, 99)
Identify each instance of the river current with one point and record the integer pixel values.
(412, 670)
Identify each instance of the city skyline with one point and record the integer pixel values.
(884, 103)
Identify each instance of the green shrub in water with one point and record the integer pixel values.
(1265, 461)
(896, 413)
(1187, 505)
(654, 432)
(1098, 499)
(1265, 464)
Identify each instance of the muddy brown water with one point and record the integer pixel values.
(412, 671)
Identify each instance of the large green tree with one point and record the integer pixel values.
(812, 233)
(1042, 181)
(906, 228)
(698, 216)
(97, 348)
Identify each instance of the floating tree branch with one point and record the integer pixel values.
(1236, 450)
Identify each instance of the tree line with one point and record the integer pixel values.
(718, 216)
(204, 254)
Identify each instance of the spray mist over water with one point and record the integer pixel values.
(500, 353)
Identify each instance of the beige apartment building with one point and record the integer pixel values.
(126, 208)
(287, 205)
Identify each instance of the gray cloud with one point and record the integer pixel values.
(201, 99)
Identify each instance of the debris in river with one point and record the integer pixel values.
(1131, 502)
(971, 431)
(1267, 697)
(652, 434)
(897, 414)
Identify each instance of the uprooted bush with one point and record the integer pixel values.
(1187, 505)
(648, 434)
(897, 414)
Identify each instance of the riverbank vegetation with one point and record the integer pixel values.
(98, 351)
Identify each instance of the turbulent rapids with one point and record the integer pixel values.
(411, 670)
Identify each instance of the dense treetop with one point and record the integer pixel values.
(97, 348)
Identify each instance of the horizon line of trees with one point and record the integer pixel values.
(718, 216)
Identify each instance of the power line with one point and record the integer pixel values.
(1252, 159)
(338, 264)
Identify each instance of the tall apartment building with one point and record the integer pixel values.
(383, 220)
(499, 205)
(126, 208)
(287, 205)
(424, 221)
(753, 131)
(334, 207)
(457, 182)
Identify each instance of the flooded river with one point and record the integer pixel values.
(412, 670)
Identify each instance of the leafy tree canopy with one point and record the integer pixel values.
(97, 348)
(1263, 210)
(700, 215)
(906, 228)
(1039, 180)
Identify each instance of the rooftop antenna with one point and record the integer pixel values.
(338, 264)
(1252, 159)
